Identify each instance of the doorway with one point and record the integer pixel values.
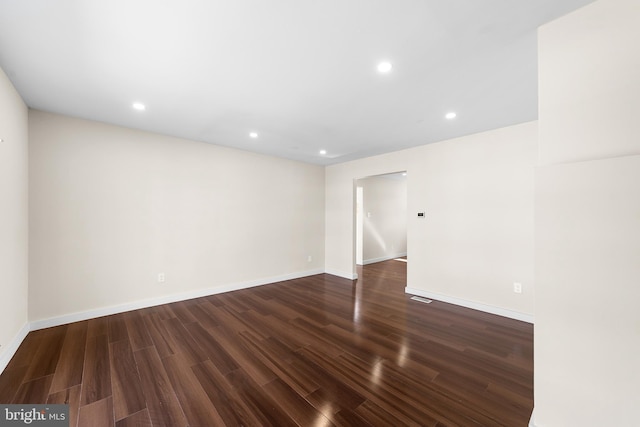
(381, 218)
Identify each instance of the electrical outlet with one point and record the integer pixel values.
(161, 278)
(309, 258)
(517, 287)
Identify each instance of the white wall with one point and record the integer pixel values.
(384, 217)
(110, 208)
(477, 237)
(587, 336)
(13, 219)
(589, 85)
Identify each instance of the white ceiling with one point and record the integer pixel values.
(300, 73)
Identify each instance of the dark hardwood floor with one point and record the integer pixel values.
(316, 351)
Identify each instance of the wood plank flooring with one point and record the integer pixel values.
(316, 351)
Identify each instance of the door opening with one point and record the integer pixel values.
(380, 218)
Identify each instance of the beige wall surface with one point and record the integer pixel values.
(384, 217)
(111, 208)
(477, 237)
(13, 214)
(587, 341)
(587, 336)
(588, 83)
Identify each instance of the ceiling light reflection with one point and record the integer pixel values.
(402, 355)
(376, 374)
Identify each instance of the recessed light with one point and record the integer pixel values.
(253, 134)
(384, 67)
(404, 174)
(323, 152)
(451, 115)
(139, 106)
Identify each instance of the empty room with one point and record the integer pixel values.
(299, 213)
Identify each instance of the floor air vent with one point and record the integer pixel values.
(424, 300)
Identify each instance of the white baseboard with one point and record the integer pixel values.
(151, 302)
(12, 347)
(384, 258)
(348, 276)
(472, 304)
